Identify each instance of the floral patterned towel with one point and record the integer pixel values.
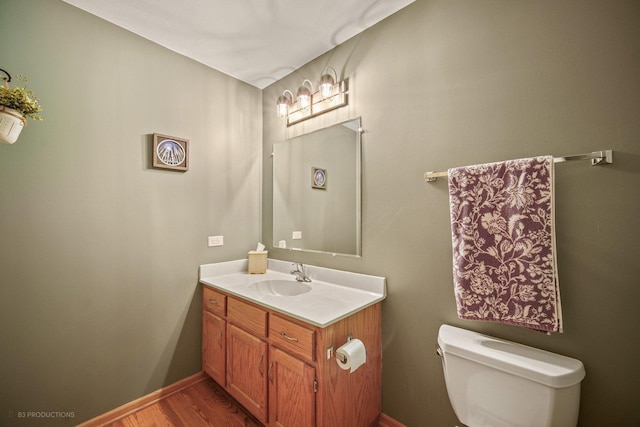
(503, 233)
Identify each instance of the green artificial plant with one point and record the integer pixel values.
(21, 99)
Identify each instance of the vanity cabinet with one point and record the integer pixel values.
(283, 370)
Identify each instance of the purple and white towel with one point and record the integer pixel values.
(503, 235)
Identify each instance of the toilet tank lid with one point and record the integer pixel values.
(551, 369)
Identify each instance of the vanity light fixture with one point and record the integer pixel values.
(309, 103)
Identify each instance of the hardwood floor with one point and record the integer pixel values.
(196, 401)
(202, 404)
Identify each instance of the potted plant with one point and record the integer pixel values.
(16, 105)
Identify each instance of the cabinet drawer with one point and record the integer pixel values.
(213, 301)
(292, 337)
(250, 317)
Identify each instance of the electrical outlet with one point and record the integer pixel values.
(296, 235)
(215, 241)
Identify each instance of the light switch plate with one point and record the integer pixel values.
(215, 241)
(296, 235)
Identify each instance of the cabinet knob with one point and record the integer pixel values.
(213, 301)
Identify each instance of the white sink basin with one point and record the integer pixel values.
(280, 288)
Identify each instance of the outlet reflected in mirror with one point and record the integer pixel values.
(316, 190)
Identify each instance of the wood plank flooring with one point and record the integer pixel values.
(203, 404)
(200, 402)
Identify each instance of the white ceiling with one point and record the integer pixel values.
(256, 41)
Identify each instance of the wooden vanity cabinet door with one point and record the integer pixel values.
(292, 397)
(247, 370)
(214, 340)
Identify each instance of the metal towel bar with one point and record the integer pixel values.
(603, 157)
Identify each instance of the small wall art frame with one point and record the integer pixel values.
(318, 178)
(170, 152)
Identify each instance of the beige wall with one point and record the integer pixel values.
(456, 82)
(99, 253)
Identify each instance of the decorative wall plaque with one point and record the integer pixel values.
(170, 152)
(318, 178)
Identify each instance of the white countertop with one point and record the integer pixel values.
(334, 294)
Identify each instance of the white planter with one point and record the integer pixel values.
(11, 124)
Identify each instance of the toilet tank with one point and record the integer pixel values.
(497, 383)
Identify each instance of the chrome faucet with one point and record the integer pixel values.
(299, 273)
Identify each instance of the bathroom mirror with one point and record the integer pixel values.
(316, 191)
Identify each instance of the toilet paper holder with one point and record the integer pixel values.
(331, 352)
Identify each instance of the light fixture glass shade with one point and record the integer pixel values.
(283, 103)
(327, 83)
(326, 86)
(304, 95)
(282, 107)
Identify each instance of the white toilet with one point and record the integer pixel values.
(497, 383)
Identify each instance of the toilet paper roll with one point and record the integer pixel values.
(353, 353)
